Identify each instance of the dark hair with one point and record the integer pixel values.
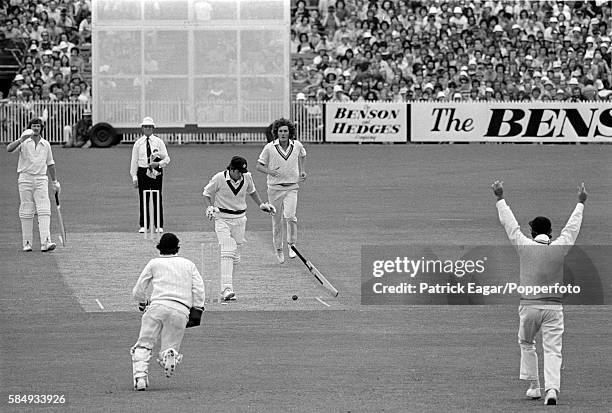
(37, 121)
(168, 244)
(540, 225)
(283, 122)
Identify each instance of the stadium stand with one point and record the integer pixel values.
(402, 50)
(395, 50)
(45, 50)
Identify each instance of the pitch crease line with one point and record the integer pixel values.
(452, 219)
(322, 302)
(99, 304)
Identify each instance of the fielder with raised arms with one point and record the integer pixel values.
(229, 189)
(35, 160)
(282, 160)
(541, 264)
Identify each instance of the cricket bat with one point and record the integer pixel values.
(316, 273)
(61, 221)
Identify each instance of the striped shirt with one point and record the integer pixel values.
(541, 261)
(175, 282)
(228, 194)
(34, 158)
(286, 162)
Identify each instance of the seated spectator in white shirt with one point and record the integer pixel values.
(344, 45)
(458, 19)
(324, 44)
(85, 30)
(305, 46)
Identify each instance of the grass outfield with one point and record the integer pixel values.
(267, 352)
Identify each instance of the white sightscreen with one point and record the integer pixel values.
(210, 62)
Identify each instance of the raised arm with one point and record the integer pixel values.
(569, 233)
(506, 217)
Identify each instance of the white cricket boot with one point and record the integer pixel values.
(292, 253)
(171, 358)
(27, 247)
(533, 393)
(551, 397)
(280, 256)
(141, 383)
(228, 294)
(47, 246)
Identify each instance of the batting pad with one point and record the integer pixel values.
(44, 227)
(27, 228)
(140, 361)
(228, 249)
(237, 255)
(43, 205)
(26, 210)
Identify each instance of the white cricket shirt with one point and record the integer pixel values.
(275, 158)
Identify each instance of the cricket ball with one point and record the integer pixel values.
(294, 297)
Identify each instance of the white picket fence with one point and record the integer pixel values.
(14, 118)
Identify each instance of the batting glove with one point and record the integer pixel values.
(57, 187)
(26, 134)
(143, 306)
(211, 211)
(267, 207)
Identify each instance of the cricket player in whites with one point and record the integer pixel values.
(541, 264)
(282, 160)
(176, 286)
(225, 202)
(35, 159)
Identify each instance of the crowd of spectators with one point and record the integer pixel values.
(467, 50)
(52, 41)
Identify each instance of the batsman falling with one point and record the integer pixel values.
(225, 202)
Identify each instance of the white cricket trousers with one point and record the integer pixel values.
(160, 320)
(34, 198)
(285, 202)
(230, 234)
(157, 320)
(550, 322)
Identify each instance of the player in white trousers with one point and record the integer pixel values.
(35, 160)
(176, 286)
(282, 160)
(225, 202)
(541, 264)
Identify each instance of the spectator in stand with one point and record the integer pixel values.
(85, 29)
(78, 135)
(36, 30)
(330, 21)
(517, 39)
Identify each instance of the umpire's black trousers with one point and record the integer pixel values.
(144, 182)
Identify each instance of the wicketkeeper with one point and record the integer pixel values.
(541, 264)
(229, 189)
(176, 287)
(35, 159)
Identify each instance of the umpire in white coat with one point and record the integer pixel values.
(149, 157)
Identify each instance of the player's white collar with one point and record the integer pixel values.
(277, 142)
(542, 239)
(228, 177)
